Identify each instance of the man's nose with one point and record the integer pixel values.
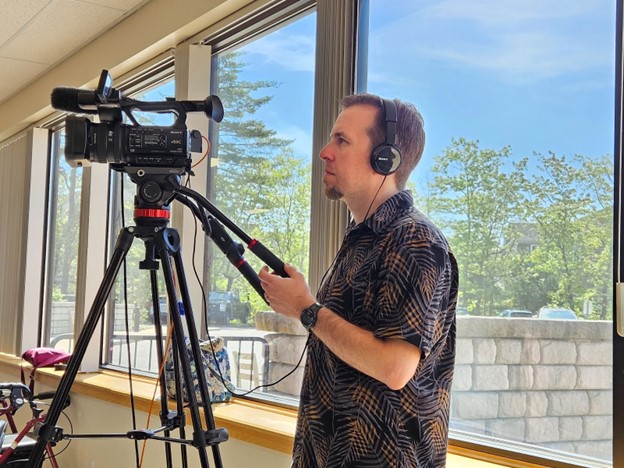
(326, 152)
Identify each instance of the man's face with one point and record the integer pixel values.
(348, 173)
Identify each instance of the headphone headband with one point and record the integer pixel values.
(390, 115)
(386, 157)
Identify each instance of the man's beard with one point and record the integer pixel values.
(333, 193)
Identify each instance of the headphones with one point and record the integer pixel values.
(386, 158)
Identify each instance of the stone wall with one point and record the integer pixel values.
(542, 382)
(287, 339)
(63, 318)
(63, 314)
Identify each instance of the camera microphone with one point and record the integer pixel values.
(75, 100)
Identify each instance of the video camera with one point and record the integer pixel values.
(128, 145)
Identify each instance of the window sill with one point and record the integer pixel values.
(257, 423)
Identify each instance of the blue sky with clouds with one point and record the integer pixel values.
(537, 75)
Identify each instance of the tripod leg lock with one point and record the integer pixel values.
(212, 437)
(140, 434)
(50, 434)
(172, 420)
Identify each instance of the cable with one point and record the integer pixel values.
(218, 372)
(71, 428)
(374, 198)
(160, 372)
(205, 154)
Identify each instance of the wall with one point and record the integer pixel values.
(545, 382)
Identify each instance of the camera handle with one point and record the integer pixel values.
(254, 245)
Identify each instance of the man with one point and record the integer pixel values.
(381, 350)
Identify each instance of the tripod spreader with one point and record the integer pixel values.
(210, 437)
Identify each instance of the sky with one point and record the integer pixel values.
(536, 75)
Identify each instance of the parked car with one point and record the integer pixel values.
(224, 306)
(556, 313)
(516, 313)
(164, 311)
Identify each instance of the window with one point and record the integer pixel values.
(62, 247)
(260, 179)
(518, 172)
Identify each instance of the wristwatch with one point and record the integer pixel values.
(309, 315)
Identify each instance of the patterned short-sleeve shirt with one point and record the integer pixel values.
(396, 276)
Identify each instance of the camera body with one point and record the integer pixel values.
(130, 145)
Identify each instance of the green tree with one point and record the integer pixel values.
(255, 180)
(526, 239)
(67, 229)
(258, 182)
(476, 200)
(571, 206)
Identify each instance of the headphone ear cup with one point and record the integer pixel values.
(386, 159)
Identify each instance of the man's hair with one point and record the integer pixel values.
(410, 131)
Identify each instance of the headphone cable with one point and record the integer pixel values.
(374, 198)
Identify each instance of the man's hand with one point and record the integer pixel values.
(287, 296)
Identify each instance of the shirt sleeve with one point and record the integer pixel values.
(413, 296)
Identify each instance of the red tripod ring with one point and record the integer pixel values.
(151, 213)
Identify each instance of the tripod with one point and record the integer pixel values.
(155, 190)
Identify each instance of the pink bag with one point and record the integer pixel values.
(42, 357)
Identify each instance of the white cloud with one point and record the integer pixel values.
(523, 42)
(520, 57)
(502, 13)
(289, 51)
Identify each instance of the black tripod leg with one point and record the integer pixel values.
(47, 432)
(168, 241)
(214, 435)
(179, 393)
(164, 409)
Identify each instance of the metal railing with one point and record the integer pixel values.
(248, 355)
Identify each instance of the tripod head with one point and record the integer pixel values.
(156, 188)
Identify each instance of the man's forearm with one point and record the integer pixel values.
(391, 361)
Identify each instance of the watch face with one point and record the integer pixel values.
(308, 316)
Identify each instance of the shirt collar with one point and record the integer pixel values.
(387, 212)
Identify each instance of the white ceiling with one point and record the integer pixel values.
(35, 35)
